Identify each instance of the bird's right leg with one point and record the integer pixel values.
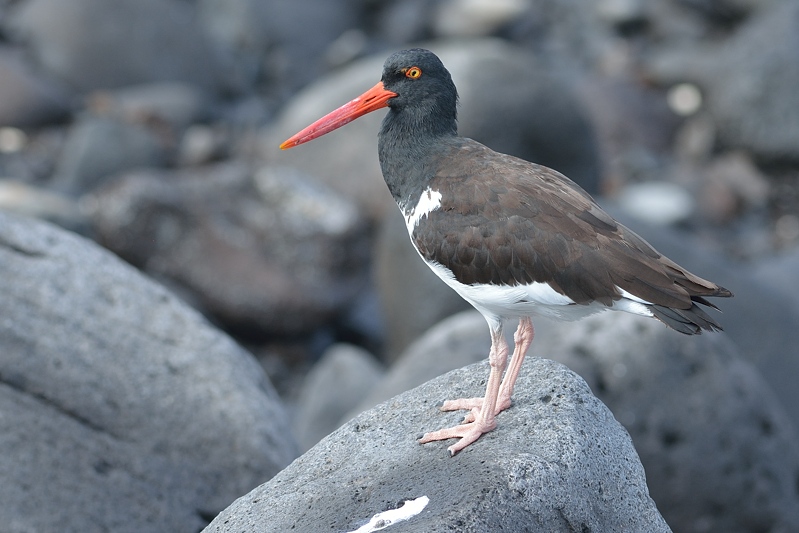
(484, 410)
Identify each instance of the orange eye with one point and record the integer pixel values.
(413, 73)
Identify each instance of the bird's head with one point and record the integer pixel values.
(415, 84)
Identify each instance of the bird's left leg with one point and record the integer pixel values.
(522, 340)
(484, 415)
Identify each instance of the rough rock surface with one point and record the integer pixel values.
(291, 252)
(121, 409)
(761, 319)
(719, 450)
(457, 341)
(558, 461)
(335, 384)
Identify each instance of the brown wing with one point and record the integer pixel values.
(503, 220)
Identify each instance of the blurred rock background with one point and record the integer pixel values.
(151, 127)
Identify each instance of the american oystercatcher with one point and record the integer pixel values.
(513, 238)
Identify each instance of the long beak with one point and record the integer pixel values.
(375, 98)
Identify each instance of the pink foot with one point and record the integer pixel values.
(474, 405)
(468, 433)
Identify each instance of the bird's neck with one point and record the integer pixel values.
(407, 145)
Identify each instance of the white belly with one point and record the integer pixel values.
(534, 299)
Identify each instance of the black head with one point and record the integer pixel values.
(426, 95)
(417, 89)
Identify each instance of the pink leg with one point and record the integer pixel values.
(522, 339)
(484, 415)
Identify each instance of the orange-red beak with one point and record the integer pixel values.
(375, 98)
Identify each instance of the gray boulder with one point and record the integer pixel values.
(335, 384)
(268, 251)
(718, 448)
(27, 98)
(285, 44)
(748, 81)
(456, 341)
(98, 147)
(122, 409)
(96, 44)
(558, 461)
(760, 320)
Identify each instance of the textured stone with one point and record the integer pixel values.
(335, 384)
(760, 320)
(121, 408)
(558, 461)
(268, 251)
(719, 450)
(457, 341)
(285, 44)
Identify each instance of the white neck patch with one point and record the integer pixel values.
(429, 201)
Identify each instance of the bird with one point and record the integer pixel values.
(513, 238)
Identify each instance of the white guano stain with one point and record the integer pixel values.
(409, 509)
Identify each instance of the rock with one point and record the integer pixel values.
(557, 462)
(266, 252)
(335, 384)
(399, 23)
(99, 147)
(760, 320)
(732, 184)
(261, 36)
(476, 18)
(123, 410)
(779, 273)
(457, 341)
(719, 450)
(412, 298)
(201, 144)
(749, 81)
(30, 156)
(27, 99)
(569, 31)
(634, 124)
(528, 112)
(95, 44)
(658, 202)
(170, 106)
(25, 199)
